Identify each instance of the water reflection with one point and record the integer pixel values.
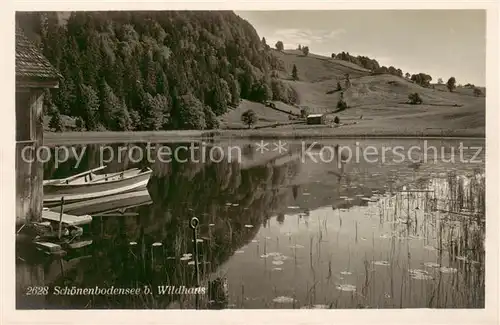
(276, 234)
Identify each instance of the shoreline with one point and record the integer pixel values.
(97, 137)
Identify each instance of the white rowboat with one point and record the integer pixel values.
(88, 185)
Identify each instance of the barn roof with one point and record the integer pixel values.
(30, 63)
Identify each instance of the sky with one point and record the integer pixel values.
(441, 43)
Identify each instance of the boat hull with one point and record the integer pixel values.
(101, 204)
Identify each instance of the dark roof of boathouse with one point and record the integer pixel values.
(30, 62)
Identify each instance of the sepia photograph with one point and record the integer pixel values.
(290, 159)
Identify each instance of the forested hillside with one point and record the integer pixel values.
(152, 70)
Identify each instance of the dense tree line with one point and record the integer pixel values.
(363, 61)
(422, 79)
(153, 70)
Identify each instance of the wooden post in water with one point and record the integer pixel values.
(132, 260)
(60, 218)
(194, 224)
(160, 246)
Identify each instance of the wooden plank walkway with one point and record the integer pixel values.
(67, 219)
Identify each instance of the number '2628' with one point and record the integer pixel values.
(37, 291)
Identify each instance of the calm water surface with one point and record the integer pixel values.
(283, 233)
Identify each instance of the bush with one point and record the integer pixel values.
(305, 50)
(477, 92)
(336, 120)
(341, 105)
(295, 75)
(79, 124)
(56, 121)
(304, 112)
(279, 46)
(415, 99)
(451, 84)
(249, 118)
(283, 92)
(421, 79)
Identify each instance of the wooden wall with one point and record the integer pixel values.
(29, 171)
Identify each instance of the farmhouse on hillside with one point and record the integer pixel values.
(34, 74)
(316, 119)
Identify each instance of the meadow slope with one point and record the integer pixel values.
(377, 103)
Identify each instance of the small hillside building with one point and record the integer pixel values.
(316, 119)
(34, 74)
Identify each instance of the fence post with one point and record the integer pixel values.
(194, 224)
(59, 233)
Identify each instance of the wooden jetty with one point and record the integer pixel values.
(67, 219)
(48, 246)
(79, 244)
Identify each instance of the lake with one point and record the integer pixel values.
(282, 225)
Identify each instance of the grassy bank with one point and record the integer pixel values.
(284, 133)
(51, 138)
(328, 132)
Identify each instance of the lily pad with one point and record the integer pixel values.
(432, 264)
(445, 269)
(284, 300)
(346, 287)
(419, 274)
(320, 307)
